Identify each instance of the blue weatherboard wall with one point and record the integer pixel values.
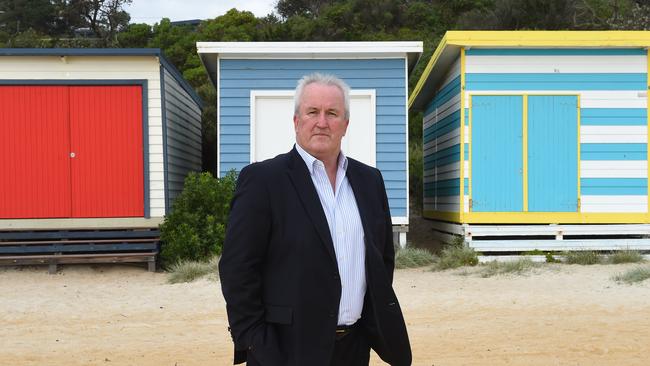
(611, 98)
(387, 76)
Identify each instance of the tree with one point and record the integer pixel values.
(20, 15)
(104, 17)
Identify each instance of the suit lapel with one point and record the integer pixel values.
(304, 186)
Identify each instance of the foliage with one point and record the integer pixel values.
(509, 267)
(625, 256)
(548, 255)
(413, 257)
(582, 257)
(635, 275)
(195, 228)
(551, 259)
(454, 256)
(188, 271)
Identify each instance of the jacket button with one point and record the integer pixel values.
(336, 276)
(332, 314)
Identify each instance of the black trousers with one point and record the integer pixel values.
(351, 350)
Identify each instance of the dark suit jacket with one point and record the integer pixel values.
(279, 273)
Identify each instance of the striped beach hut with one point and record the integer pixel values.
(94, 144)
(536, 135)
(255, 83)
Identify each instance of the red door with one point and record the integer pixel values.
(106, 140)
(71, 151)
(34, 146)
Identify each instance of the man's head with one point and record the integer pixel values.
(321, 115)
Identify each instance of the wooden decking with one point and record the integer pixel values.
(79, 246)
(522, 238)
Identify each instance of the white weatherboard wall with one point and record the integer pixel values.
(43, 68)
(611, 85)
(272, 127)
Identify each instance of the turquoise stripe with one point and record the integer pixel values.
(613, 186)
(466, 116)
(445, 125)
(544, 81)
(466, 189)
(442, 157)
(613, 116)
(466, 151)
(613, 151)
(555, 52)
(442, 188)
(444, 94)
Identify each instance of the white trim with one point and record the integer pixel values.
(559, 245)
(81, 223)
(400, 220)
(310, 49)
(613, 168)
(580, 64)
(613, 134)
(218, 116)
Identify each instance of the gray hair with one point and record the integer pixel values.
(323, 79)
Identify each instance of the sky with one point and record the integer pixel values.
(152, 11)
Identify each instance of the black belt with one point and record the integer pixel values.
(343, 330)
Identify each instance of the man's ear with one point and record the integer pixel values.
(295, 122)
(347, 123)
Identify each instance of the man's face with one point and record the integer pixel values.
(320, 123)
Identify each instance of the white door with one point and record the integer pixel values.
(272, 130)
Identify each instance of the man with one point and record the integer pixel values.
(307, 263)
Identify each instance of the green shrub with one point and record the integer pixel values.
(455, 256)
(639, 274)
(412, 258)
(625, 256)
(582, 257)
(551, 259)
(517, 267)
(195, 228)
(188, 271)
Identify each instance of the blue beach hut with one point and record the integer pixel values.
(255, 83)
(535, 135)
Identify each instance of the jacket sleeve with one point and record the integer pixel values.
(389, 248)
(242, 262)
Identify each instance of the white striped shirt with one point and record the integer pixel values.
(346, 231)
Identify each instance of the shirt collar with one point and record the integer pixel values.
(311, 161)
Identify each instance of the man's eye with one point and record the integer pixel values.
(333, 114)
(311, 113)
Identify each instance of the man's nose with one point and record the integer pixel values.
(321, 120)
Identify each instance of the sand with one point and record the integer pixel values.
(123, 315)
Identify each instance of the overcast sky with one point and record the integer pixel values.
(151, 11)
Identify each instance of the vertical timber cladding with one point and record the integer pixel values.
(497, 163)
(34, 145)
(552, 153)
(106, 138)
(71, 151)
(546, 170)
